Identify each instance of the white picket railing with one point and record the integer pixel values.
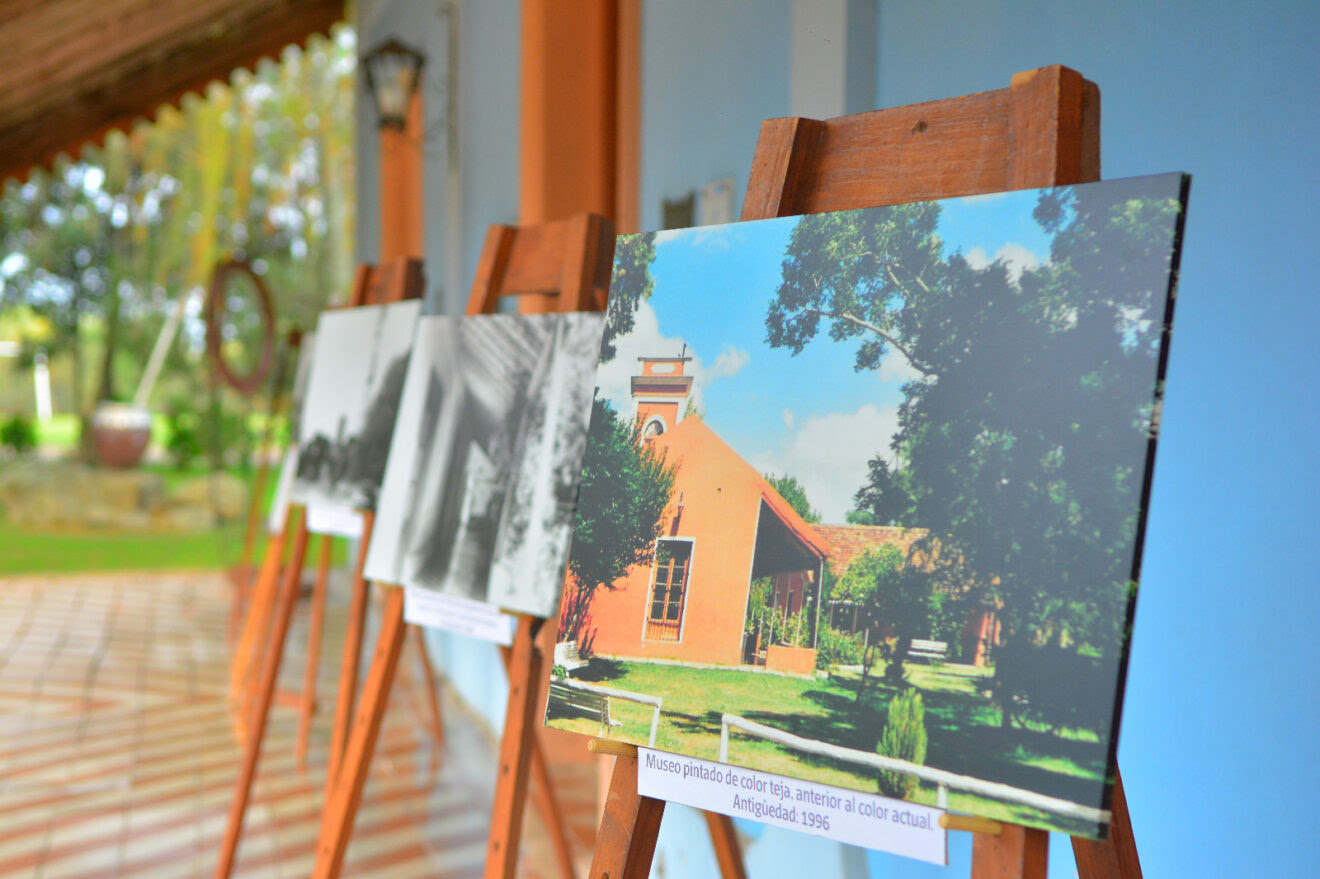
(939, 777)
(654, 701)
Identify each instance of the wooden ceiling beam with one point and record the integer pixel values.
(190, 45)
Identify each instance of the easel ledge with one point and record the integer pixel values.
(1043, 130)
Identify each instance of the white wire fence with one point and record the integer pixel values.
(942, 779)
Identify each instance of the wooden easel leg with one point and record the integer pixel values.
(1116, 856)
(242, 582)
(270, 671)
(341, 806)
(352, 657)
(1016, 853)
(307, 706)
(728, 854)
(431, 682)
(516, 745)
(258, 611)
(625, 842)
(543, 793)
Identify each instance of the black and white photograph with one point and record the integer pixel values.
(358, 366)
(483, 471)
(298, 395)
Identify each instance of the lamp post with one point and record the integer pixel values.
(393, 76)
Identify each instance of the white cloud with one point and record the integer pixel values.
(894, 367)
(712, 239)
(828, 455)
(1016, 258)
(731, 360)
(787, 415)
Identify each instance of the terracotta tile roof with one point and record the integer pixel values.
(847, 542)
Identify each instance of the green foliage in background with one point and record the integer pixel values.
(99, 252)
(18, 434)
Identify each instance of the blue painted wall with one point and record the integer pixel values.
(711, 72)
(473, 181)
(1218, 743)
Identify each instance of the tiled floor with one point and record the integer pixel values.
(118, 752)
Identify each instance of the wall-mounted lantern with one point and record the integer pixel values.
(393, 72)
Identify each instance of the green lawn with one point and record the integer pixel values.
(27, 552)
(962, 725)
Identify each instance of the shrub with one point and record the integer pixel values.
(18, 434)
(185, 442)
(837, 648)
(905, 739)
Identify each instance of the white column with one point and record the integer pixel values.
(41, 378)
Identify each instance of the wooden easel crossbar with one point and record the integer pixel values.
(1043, 130)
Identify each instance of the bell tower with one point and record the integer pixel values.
(661, 392)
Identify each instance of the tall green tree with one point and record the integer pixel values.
(891, 593)
(1021, 436)
(108, 245)
(626, 486)
(630, 285)
(884, 499)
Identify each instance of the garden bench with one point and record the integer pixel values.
(566, 656)
(569, 701)
(930, 651)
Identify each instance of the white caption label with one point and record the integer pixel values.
(423, 607)
(866, 820)
(339, 521)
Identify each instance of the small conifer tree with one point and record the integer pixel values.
(904, 738)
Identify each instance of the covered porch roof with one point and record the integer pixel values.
(784, 543)
(77, 69)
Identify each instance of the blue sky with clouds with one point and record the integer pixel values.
(812, 415)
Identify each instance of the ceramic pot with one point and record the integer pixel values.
(120, 434)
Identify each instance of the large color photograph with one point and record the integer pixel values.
(482, 474)
(863, 495)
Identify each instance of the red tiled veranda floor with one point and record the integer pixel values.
(118, 753)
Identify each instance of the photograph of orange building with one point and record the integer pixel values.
(862, 495)
(726, 526)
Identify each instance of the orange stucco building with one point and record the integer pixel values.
(726, 525)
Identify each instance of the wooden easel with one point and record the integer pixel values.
(1043, 130)
(557, 266)
(242, 576)
(266, 629)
